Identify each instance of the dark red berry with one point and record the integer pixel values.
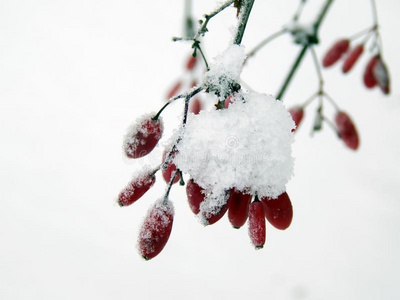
(141, 139)
(136, 189)
(279, 212)
(171, 168)
(347, 131)
(257, 224)
(174, 90)
(238, 208)
(195, 196)
(381, 75)
(156, 229)
(335, 52)
(209, 219)
(369, 77)
(352, 58)
(191, 63)
(297, 114)
(195, 106)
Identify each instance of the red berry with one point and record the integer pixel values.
(297, 114)
(279, 212)
(191, 63)
(238, 208)
(195, 196)
(195, 106)
(347, 131)
(257, 224)
(171, 168)
(352, 58)
(335, 52)
(156, 229)
(209, 219)
(142, 138)
(369, 77)
(381, 75)
(174, 90)
(228, 101)
(136, 189)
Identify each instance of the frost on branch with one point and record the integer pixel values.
(247, 147)
(225, 70)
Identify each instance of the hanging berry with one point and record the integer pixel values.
(136, 189)
(279, 212)
(335, 52)
(171, 168)
(352, 58)
(156, 229)
(381, 75)
(238, 208)
(297, 114)
(257, 224)
(347, 130)
(142, 137)
(369, 77)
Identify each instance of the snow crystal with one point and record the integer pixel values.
(247, 147)
(225, 70)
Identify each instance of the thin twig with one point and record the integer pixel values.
(265, 42)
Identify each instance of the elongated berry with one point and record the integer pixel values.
(297, 114)
(212, 218)
(369, 77)
(156, 229)
(335, 52)
(257, 224)
(191, 63)
(195, 106)
(238, 210)
(228, 101)
(279, 212)
(352, 58)
(136, 189)
(195, 195)
(171, 168)
(142, 137)
(347, 130)
(174, 90)
(381, 75)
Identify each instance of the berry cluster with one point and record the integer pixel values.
(375, 72)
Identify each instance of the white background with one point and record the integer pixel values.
(74, 74)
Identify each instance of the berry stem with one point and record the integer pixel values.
(265, 42)
(302, 52)
(188, 21)
(330, 99)
(309, 100)
(195, 90)
(318, 68)
(171, 182)
(299, 10)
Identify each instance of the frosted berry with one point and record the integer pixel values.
(369, 77)
(143, 137)
(174, 90)
(381, 75)
(347, 131)
(136, 189)
(297, 114)
(171, 168)
(209, 219)
(352, 58)
(191, 63)
(195, 106)
(195, 196)
(279, 212)
(257, 224)
(156, 229)
(238, 210)
(335, 52)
